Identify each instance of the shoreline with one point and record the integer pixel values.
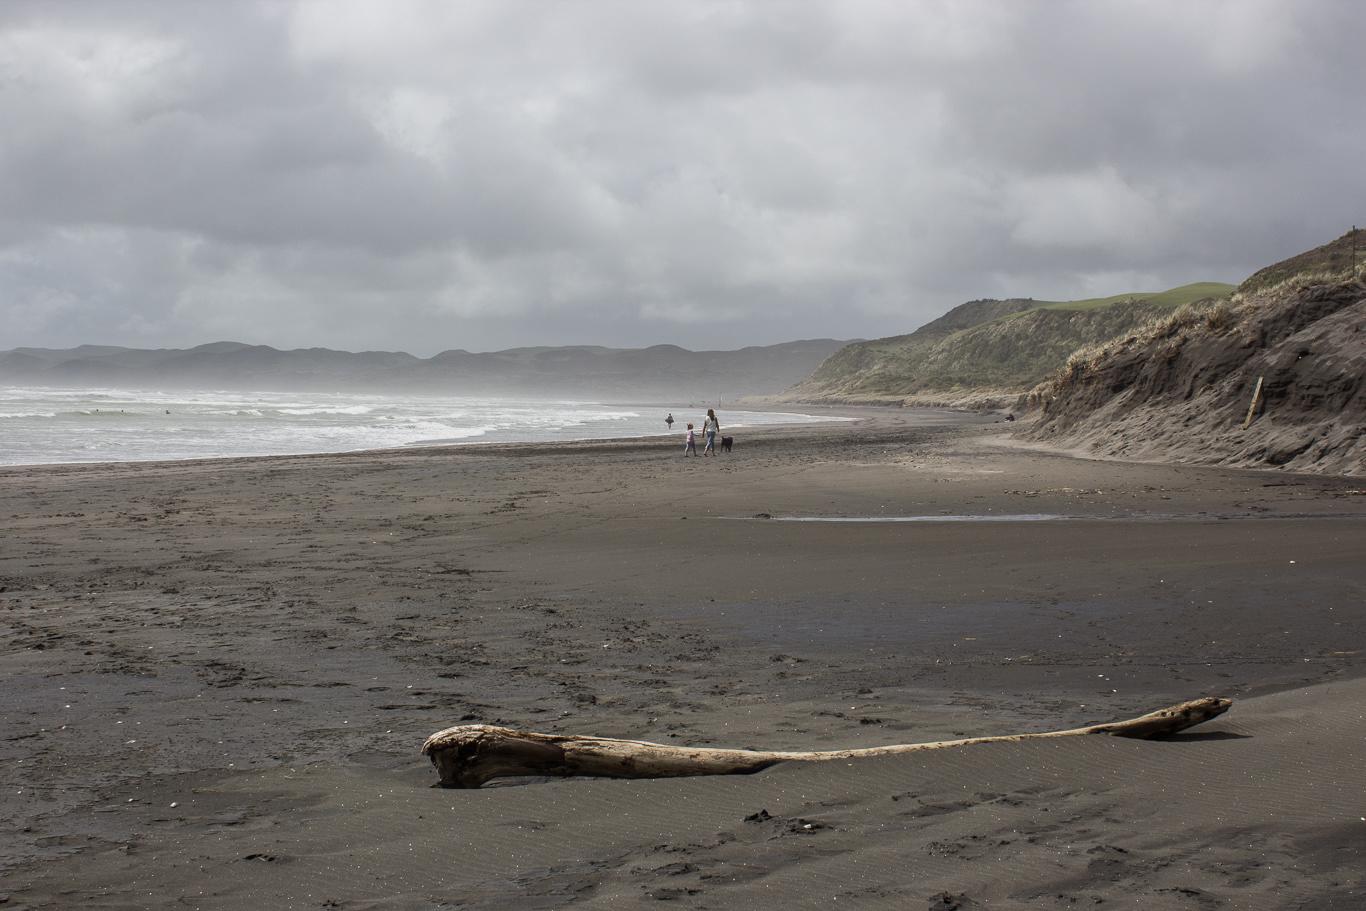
(265, 642)
(847, 414)
(438, 442)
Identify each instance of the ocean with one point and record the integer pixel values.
(53, 426)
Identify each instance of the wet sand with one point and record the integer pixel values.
(218, 675)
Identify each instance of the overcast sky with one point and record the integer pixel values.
(433, 175)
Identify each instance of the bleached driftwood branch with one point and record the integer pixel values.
(468, 755)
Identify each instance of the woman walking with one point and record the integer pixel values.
(711, 427)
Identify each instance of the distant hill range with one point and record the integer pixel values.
(986, 348)
(664, 372)
(1274, 377)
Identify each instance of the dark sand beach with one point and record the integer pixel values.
(217, 676)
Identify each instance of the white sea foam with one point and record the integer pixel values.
(329, 409)
(102, 425)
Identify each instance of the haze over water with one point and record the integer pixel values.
(42, 426)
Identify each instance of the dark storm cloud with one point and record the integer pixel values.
(433, 175)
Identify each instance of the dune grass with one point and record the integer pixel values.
(1013, 350)
(1173, 297)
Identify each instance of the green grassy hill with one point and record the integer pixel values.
(988, 345)
(1173, 297)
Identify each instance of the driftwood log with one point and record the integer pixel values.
(468, 755)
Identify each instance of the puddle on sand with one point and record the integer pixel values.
(1021, 517)
(1046, 517)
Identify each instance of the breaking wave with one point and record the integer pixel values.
(108, 425)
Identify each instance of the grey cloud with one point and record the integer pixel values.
(428, 175)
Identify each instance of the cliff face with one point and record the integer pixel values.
(1181, 389)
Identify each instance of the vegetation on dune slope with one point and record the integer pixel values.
(1005, 345)
(1332, 259)
(1275, 377)
(1173, 297)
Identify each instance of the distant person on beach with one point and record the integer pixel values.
(710, 427)
(670, 420)
(691, 444)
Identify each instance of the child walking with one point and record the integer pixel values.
(691, 445)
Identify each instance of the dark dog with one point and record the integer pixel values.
(726, 443)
